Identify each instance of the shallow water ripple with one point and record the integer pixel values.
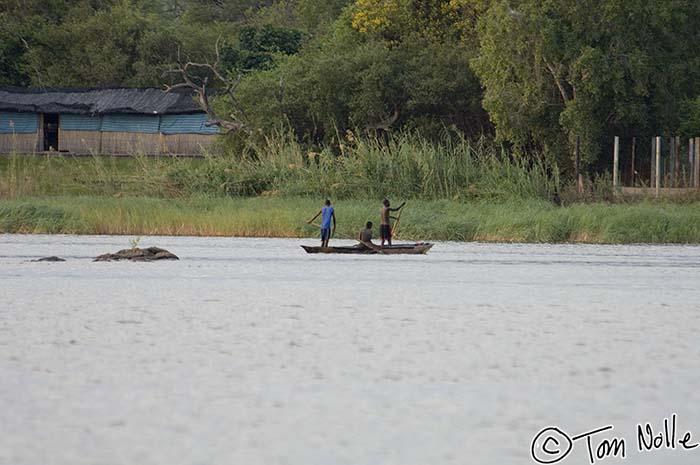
(250, 351)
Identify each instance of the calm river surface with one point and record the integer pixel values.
(249, 351)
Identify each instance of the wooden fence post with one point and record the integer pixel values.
(672, 162)
(632, 173)
(579, 180)
(696, 164)
(616, 164)
(658, 167)
(677, 164)
(652, 165)
(691, 155)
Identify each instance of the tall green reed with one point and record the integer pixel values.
(403, 165)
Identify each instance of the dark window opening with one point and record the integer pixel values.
(50, 131)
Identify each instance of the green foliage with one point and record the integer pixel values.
(557, 69)
(366, 168)
(393, 20)
(690, 120)
(258, 46)
(541, 72)
(315, 16)
(205, 12)
(29, 217)
(511, 221)
(26, 175)
(100, 43)
(347, 80)
(116, 45)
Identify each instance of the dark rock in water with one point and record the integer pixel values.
(138, 255)
(49, 259)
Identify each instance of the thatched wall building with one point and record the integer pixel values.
(102, 121)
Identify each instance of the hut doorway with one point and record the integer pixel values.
(50, 131)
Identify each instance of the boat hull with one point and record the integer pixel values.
(398, 249)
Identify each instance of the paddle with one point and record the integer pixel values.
(396, 223)
(318, 226)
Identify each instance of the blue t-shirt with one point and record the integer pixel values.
(326, 215)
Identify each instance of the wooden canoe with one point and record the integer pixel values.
(412, 249)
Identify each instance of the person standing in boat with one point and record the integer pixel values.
(327, 214)
(385, 224)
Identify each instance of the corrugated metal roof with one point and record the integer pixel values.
(97, 101)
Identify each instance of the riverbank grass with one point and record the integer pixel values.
(513, 221)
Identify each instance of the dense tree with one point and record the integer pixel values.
(362, 79)
(315, 17)
(554, 70)
(257, 46)
(394, 19)
(98, 43)
(12, 47)
(207, 11)
(689, 125)
(546, 71)
(113, 46)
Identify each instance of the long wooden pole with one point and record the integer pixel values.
(691, 151)
(616, 164)
(632, 172)
(672, 162)
(579, 181)
(396, 224)
(692, 160)
(696, 163)
(677, 164)
(658, 167)
(652, 165)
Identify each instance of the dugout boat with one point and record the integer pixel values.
(418, 248)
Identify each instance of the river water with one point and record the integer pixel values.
(249, 351)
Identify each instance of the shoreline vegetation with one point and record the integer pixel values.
(457, 190)
(530, 221)
(451, 105)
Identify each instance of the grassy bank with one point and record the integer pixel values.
(457, 190)
(518, 221)
(405, 166)
(23, 175)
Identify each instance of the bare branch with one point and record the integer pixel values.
(555, 74)
(36, 70)
(191, 79)
(216, 48)
(182, 85)
(386, 123)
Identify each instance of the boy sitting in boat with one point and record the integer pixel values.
(365, 236)
(327, 212)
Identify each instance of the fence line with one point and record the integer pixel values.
(665, 169)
